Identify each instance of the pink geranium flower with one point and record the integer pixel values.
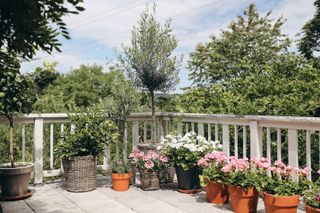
(149, 164)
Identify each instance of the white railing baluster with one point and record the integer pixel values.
(61, 134)
(187, 127)
(144, 132)
(216, 132)
(308, 151)
(236, 148)
(38, 150)
(179, 128)
(209, 131)
(293, 149)
(226, 139)
(51, 146)
(201, 129)
(255, 140)
(279, 144)
(192, 127)
(268, 145)
(135, 134)
(23, 137)
(244, 147)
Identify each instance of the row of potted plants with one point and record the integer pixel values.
(243, 180)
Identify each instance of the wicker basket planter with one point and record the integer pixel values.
(80, 173)
(149, 180)
(133, 171)
(166, 175)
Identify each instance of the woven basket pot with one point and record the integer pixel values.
(133, 171)
(149, 180)
(80, 173)
(166, 175)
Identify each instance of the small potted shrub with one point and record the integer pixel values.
(243, 185)
(121, 174)
(280, 192)
(311, 199)
(78, 148)
(16, 97)
(149, 165)
(184, 152)
(216, 189)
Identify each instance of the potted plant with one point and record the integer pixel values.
(184, 152)
(121, 174)
(78, 148)
(216, 189)
(16, 97)
(149, 164)
(311, 199)
(281, 193)
(243, 184)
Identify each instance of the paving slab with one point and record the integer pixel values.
(16, 206)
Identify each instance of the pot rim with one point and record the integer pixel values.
(268, 194)
(8, 166)
(307, 205)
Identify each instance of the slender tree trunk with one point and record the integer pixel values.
(11, 141)
(153, 117)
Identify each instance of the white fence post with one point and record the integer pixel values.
(135, 134)
(293, 149)
(38, 150)
(201, 129)
(226, 139)
(255, 140)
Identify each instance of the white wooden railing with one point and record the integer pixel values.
(258, 135)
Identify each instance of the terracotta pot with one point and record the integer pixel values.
(14, 182)
(280, 204)
(217, 193)
(310, 209)
(243, 200)
(120, 182)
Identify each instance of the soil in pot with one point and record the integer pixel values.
(280, 204)
(120, 182)
(217, 193)
(15, 181)
(243, 200)
(188, 180)
(80, 173)
(149, 180)
(310, 209)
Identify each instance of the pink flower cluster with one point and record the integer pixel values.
(147, 159)
(236, 165)
(217, 157)
(262, 164)
(318, 198)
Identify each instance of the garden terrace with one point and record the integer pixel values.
(294, 140)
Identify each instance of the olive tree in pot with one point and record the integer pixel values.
(17, 95)
(149, 62)
(123, 100)
(79, 147)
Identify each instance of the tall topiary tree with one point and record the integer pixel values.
(149, 61)
(17, 95)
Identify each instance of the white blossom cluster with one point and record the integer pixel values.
(190, 141)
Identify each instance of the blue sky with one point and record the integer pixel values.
(107, 24)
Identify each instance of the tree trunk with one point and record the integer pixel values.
(153, 118)
(11, 141)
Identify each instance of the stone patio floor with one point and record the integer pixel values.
(52, 197)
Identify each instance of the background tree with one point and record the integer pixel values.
(123, 100)
(149, 61)
(30, 25)
(17, 97)
(250, 42)
(309, 44)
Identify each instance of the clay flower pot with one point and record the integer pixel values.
(280, 204)
(217, 193)
(120, 182)
(243, 200)
(310, 209)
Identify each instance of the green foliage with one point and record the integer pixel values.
(281, 187)
(31, 25)
(309, 44)
(312, 197)
(245, 179)
(148, 61)
(120, 167)
(249, 43)
(44, 76)
(92, 133)
(77, 90)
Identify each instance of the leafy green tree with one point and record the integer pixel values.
(44, 76)
(30, 25)
(309, 44)
(17, 97)
(119, 104)
(76, 90)
(250, 42)
(149, 61)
